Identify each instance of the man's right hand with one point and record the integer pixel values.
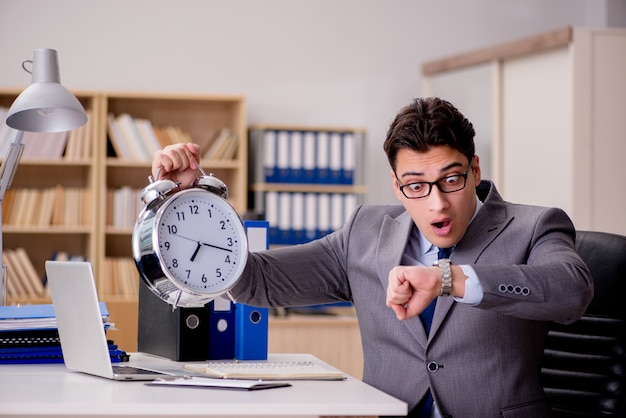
(177, 162)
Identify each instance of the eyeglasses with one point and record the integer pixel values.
(448, 184)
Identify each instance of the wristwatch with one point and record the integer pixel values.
(446, 276)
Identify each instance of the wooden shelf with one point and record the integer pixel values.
(198, 115)
(307, 188)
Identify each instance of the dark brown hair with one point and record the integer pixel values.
(428, 122)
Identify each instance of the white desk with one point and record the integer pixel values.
(51, 390)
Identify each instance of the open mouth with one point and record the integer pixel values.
(442, 227)
(441, 224)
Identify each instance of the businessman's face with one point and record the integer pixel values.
(442, 217)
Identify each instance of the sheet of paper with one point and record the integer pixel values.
(205, 382)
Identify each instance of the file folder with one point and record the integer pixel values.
(221, 329)
(251, 323)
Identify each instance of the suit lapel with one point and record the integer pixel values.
(392, 240)
(394, 234)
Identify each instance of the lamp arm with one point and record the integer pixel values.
(9, 165)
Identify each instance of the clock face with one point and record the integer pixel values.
(200, 241)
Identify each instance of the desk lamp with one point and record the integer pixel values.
(44, 106)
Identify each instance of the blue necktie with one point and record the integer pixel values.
(426, 316)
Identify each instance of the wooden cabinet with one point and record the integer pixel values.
(547, 111)
(100, 238)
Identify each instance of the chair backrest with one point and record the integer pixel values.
(584, 370)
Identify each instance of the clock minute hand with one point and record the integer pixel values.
(219, 248)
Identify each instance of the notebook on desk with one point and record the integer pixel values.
(79, 322)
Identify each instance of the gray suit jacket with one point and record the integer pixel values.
(484, 360)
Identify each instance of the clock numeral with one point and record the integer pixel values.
(227, 260)
(180, 216)
(230, 241)
(218, 272)
(166, 244)
(223, 225)
(204, 279)
(172, 229)
(188, 273)
(175, 263)
(193, 209)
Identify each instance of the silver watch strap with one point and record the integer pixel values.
(446, 276)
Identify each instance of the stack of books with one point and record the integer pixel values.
(137, 139)
(29, 334)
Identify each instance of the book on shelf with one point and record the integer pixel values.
(219, 146)
(123, 207)
(130, 133)
(7, 205)
(177, 135)
(265, 370)
(137, 139)
(117, 139)
(83, 139)
(68, 206)
(29, 271)
(22, 280)
(121, 277)
(147, 136)
(43, 145)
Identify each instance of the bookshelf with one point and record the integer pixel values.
(305, 180)
(49, 210)
(196, 118)
(110, 184)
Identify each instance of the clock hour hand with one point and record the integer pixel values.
(195, 253)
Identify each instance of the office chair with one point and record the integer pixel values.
(584, 369)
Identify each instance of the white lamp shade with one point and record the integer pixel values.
(46, 106)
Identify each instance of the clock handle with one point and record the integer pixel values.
(152, 179)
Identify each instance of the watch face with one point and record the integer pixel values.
(200, 242)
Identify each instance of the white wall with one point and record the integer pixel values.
(312, 62)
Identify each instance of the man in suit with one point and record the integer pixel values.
(512, 268)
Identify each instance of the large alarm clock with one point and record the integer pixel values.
(189, 245)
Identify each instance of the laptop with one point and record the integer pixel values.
(79, 322)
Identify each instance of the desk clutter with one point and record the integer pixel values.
(29, 335)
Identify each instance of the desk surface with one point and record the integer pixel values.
(51, 390)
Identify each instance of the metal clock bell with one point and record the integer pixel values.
(189, 245)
